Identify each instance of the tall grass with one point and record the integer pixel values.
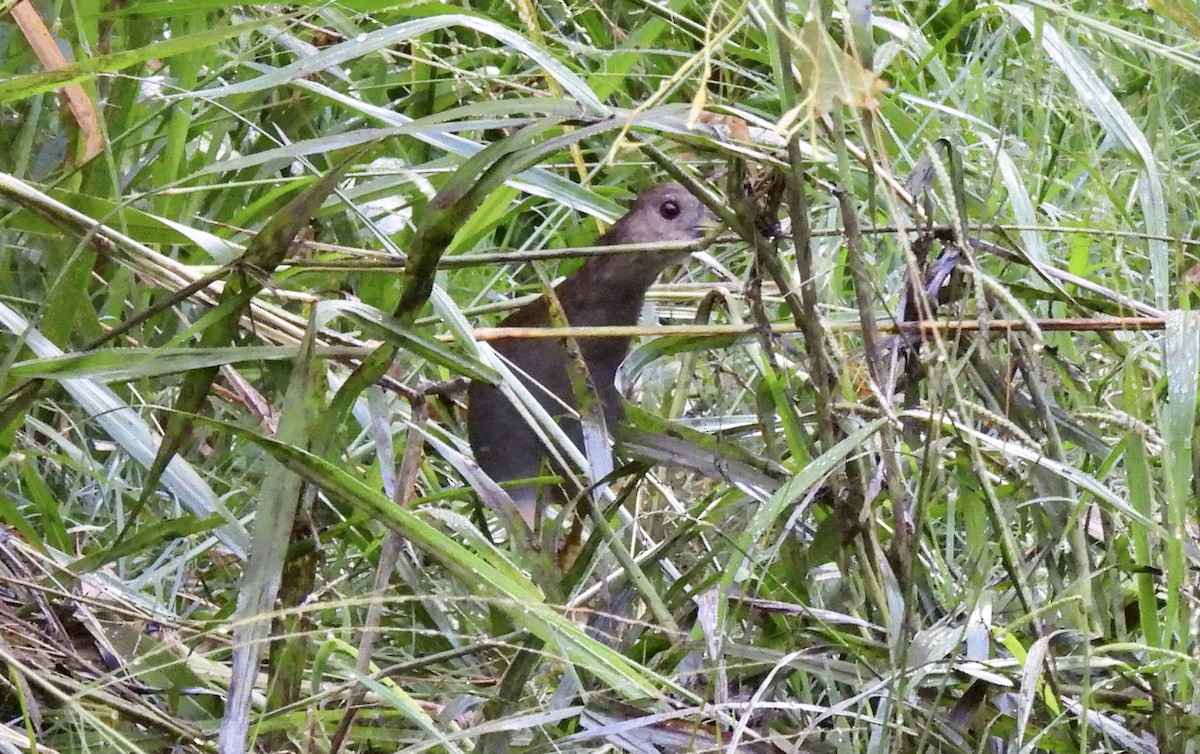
(240, 510)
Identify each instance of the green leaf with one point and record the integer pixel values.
(18, 88)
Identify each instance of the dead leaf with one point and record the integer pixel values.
(830, 77)
(737, 128)
(78, 103)
(1193, 274)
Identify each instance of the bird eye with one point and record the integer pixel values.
(669, 210)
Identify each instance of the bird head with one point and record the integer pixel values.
(667, 212)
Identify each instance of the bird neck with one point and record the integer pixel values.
(628, 274)
(609, 290)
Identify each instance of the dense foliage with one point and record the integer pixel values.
(249, 251)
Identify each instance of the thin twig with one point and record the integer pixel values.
(370, 257)
(922, 327)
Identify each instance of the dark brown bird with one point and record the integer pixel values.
(606, 290)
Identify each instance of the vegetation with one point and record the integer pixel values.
(245, 250)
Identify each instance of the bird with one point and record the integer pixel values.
(605, 290)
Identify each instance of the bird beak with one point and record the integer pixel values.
(709, 225)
